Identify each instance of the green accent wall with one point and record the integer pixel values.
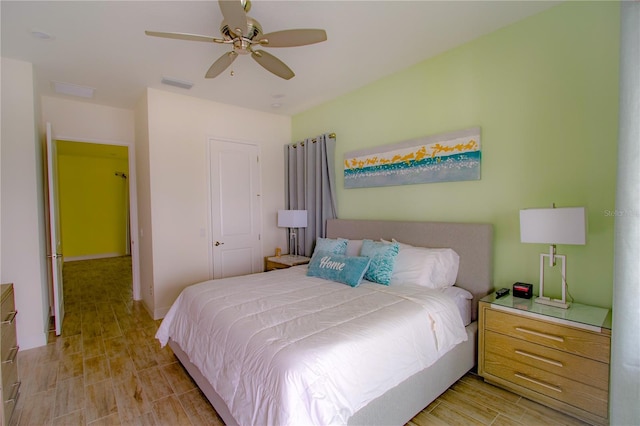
(545, 93)
(92, 199)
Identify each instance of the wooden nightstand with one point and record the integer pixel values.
(557, 357)
(284, 261)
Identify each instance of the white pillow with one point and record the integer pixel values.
(353, 247)
(428, 267)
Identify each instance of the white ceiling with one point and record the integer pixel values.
(101, 44)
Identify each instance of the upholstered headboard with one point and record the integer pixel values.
(472, 241)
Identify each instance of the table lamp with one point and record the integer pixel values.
(292, 219)
(566, 225)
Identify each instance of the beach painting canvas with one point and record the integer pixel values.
(447, 157)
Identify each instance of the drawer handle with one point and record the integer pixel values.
(537, 333)
(10, 318)
(537, 382)
(14, 394)
(540, 358)
(12, 355)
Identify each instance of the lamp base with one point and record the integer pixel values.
(552, 302)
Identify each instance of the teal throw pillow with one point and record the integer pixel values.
(383, 259)
(337, 267)
(331, 245)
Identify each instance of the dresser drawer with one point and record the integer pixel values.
(9, 340)
(8, 354)
(580, 342)
(10, 389)
(554, 361)
(580, 395)
(9, 379)
(9, 348)
(7, 306)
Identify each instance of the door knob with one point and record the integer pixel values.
(218, 243)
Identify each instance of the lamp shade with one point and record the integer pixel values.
(292, 218)
(566, 225)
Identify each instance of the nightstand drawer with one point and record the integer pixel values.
(271, 266)
(577, 394)
(569, 339)
(573, 367)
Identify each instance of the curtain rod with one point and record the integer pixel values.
(314, 140)
(331, 136)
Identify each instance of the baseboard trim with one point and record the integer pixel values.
(159, 313)
(92, 256)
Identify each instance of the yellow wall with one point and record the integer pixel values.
(93, 209)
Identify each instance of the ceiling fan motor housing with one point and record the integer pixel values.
(242, 44)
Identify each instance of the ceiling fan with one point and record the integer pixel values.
(244, 33)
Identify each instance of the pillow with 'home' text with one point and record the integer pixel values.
(337, 267)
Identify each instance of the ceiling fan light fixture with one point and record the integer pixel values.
(170, 81)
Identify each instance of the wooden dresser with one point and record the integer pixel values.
(10, 385)
(557, 357)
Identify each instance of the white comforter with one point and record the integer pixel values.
(282, 348)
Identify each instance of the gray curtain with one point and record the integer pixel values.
(625, 336)
(310, 185)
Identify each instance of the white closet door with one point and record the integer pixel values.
(235, 208)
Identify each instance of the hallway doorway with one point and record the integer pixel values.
(97, 199)
(93, 199)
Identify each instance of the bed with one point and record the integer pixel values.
(242, 391)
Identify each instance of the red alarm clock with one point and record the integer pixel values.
(523, 290)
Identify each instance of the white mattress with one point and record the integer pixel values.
(282, 348)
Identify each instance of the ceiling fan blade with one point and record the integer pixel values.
(184, 36)
(221, 64)
(272, 64)
(291, 38)
(234, 15)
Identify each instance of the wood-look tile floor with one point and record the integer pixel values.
(107, 369)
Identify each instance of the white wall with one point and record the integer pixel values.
(178, 131)
(86, 121)
(23, 259)
(145, 231)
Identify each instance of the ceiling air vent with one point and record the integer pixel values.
(72, 89)
(177, 83)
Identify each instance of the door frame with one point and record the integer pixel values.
(133, 203)
(209, 142)
(54, 251)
